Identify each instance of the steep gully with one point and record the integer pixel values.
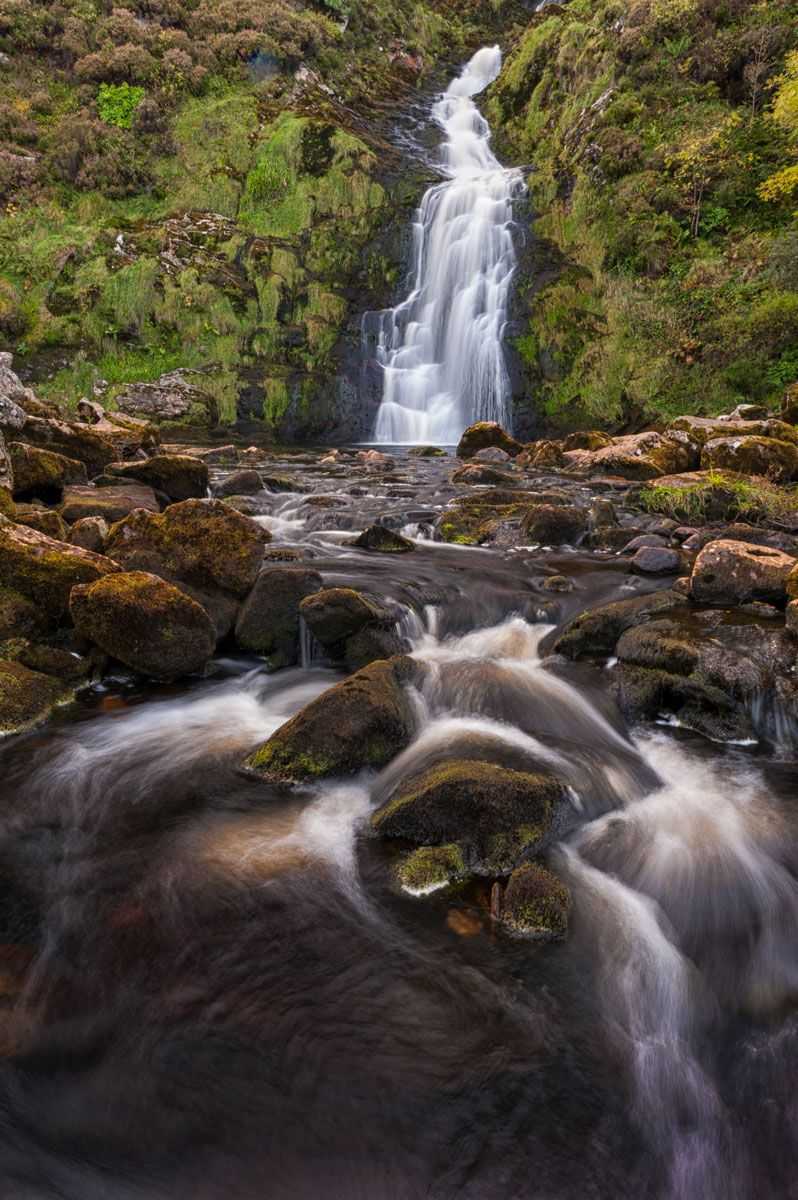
(225, 994)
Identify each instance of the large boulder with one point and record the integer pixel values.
(595, 632)
(484, 434)
(536, 903)
(246, 482)
(27, 697)
(700, 496)
(335, 614)
(145, 623)
(172, 399)
(45, 570)
(72, 440)
(542, 455)
(269, 621)
(363, 722)
(642, 456)
(178, 476)
(729, 572)
(19, 615)
(46, 520)
(555, 524)
(771, 457)
(203, 546)
(705, 429)
(110, 503)
(497, 813)
(42, 473)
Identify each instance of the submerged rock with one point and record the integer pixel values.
(178, 476)
(384, 541)
(363, 722)
(536, 903)
(484, 434)
(27, 697)
(555, 524)
(268, 623)
(45, 570)
(145, 623)
(729, 572)
(431, 868)
(43, 473)
(479, 473)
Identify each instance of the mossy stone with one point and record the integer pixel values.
(27, 697)
(431, 868)
(334, 614)
(42, 473)
(268, 623)
(536, 903)
(380, 540)
(45, 570)
(483, 434)
(178, 476)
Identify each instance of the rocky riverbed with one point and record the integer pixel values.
(371, 739)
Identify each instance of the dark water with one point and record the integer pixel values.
(212, 989)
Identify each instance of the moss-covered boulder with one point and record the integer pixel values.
(19, 615)
(178, 476)
(483, 434)
(71, 440)
(380, 540)
(110, 503)
(701, 496)
(45, 570)
(642, 456)
(363, 722)
(536, 903)
(27, 697)
(49, 658)
(335, 614)
(791, 584)
(594, 633)
(203, 546)
(145, 623)
(555, 524)
(705, 429)
(587, 439)
(42, 474)
(372, 643)
(7, 505)
(90, 533)
(542, 455)
(269, 621)
(730, 572)
(770, 457)
(426, 452)
(430, 868)
(496, 812)
(246, 482)
(665, 645)
(45, 520)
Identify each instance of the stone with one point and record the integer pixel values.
(219, 455)
(587, 439)
(19, 615)
(663, 644)
(380, 540)
(729, 572)
(71, 440)
(27, 697)
(45, 570)
(90, 412)
(480, 474)
(363, 722)
(705, 429)
(791, 618)
(791, 586)
(536, 904)
(642, 540)
(775, 459)
(484, 434)
(269, 620)
(643, 456)
(373, 643)
(430, 868)
(146, 623)
(558, 583)
(496, 812)
(334, 614)
(541, 455)
(178, 476)
(246, 482)
(554, 524)
(656, 560)
(426, 452)
(42, 473)
(602, 515)
(89, 533)
(43, 519)
(595, 632)
(48, 659)
(110, 503)
(280, 483)
(171, 399)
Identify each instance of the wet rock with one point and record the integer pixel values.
(541, 455)
(203, 546)
(766, 456)
(536, 903)
(246, 482)
(27, 697)
(89, 533)
(587, 439)
(375, 458)
(491, 454)
(335, 614)
(372, 643)
(475, 474)
(173, 398)
(643, 540)
(110, 503)
(656, 560)
(44, 520)
(72, 441)
(268, 623)
(431, 868)
(48, 659)
(145, 623)
(594, 633)
(280, 483)
(383, 541)
(554, 524)
(665, 645)
(178, 476)
(729, 572)
(219, 455)
(650, 693)
(475, 518)
(558, 583)
(42, 473)
(483, 435)
(19, 615)
(497, 813)
(602, 515)
(363, 722)
(427, 452)
(45, 570)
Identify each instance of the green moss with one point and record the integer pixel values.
(430, 868)
(536, 903)
(720, 495)
(27, 697)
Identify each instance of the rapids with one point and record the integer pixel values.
(213, 988)
(440, 350)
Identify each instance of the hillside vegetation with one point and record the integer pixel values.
(662, 137)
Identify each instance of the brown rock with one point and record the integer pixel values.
(178, 476)
(42, 473)
(45, 570)
(728, 572)
(111, 503)
(776, 459)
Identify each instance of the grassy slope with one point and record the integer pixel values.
(649, 127)
(246, 197)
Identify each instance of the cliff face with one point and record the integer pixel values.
(211, 185)
(661, 273)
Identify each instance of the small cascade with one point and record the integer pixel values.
(441, 349)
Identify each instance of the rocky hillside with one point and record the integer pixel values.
(207, 185)
(662, 138)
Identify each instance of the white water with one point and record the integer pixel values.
(441, 348)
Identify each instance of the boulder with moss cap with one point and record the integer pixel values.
(536, 903)
(45, 570)
(27, 697)
(483, 434)
(178, 476)
(269, 621)
(43, 473)
(430, 868)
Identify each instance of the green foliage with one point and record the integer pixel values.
(117, 103)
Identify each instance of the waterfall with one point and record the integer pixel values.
(441, 349)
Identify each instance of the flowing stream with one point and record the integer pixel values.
(214, 988)
(441, 350)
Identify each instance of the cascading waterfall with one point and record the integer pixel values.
(441, 349)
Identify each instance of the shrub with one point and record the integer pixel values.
(117, 104)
